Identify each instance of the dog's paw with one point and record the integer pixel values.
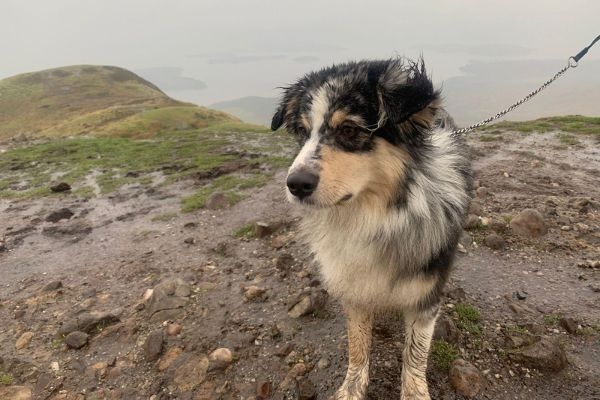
(345, 394)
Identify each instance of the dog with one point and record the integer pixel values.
(383, 186)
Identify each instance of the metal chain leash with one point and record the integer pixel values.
(573, 62)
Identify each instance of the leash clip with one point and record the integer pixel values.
(573, 62)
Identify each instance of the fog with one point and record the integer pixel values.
(208, 51)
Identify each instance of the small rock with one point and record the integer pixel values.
(284, 350)
(569, 324)
(545, 355)
(308, 303)
(264, 389)
(284, 261)
(189, 240)
(54, 285)
(183, 290)
(521, 294)
(76, 339)
(220, 359)
(481, 191)
(262, 229)
(457, 294)
(297, 370)
(476, 208)
(15, 393)
(471, 222)
(174, 329)
(61, 187)
(323, 363)
(445, 329)
(494, 241)
(191, 373)
(63, 213)
(23, 340)
(465, 378)
(306, 389)
(254, 292)
(153, 345)
(466, 239)
(87, 322)
(217, 201)
(529, 223)
(190, 225)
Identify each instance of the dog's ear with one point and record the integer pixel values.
(406, 93)
(277, 120)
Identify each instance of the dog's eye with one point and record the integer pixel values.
(301, 131)
(348, 130)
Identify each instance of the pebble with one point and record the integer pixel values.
(264, 389)
(23, 340)
(323, 363)
(481, 191)
(308, 303)
(169, 357)
(494, 241)
(153, 345)
(471, 222)
(569, 324)
(174, 329)
(219, 359)
(191, 373)
(51, 286)
(76, 339)
(254, 292)
(465, 378)
(529, 223)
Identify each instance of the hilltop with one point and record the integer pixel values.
(94, 100)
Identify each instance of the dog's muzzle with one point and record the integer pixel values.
(302, 183)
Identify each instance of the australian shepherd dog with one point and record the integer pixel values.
(383, 185)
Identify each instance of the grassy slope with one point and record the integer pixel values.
(568, 123)
(95, 100)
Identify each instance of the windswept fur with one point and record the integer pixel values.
(384, 188)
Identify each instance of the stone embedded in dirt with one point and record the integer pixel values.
(279, 241)
(264, 389)
(254, 293)
(220, 359)
(308, 303)
(471, 222)
(465, 239)
(174, 329)
(63, 213)
(190, 225)
(23, 340)
(476, 208)
(284, 261)
(494, 241)
(284, 350)
(76, 339)
(497, 225)
(544, 355)
(75, 230)
(163, 301)
(60, 187)
(569, 324)
(529, 223)
(217, 201)
(153, 345)
(519, 309)
(263, 229)
(323, 363)
(183, 290)
(191, 373)
(87, 322)
(465, 378)
(51, 286)
(445, 329)
(15, 393)
(299, 369)
(521, 294)
(306, 389)
(456, 293)
(19, 314)
(481, 191)
(189, 240)
(169, 357)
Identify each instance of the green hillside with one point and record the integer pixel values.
(94, 100)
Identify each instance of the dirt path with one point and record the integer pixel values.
(154, 292)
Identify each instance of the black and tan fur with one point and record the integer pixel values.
(384, 188)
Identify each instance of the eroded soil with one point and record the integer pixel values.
(234, 292)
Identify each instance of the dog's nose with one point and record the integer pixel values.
(302, 183)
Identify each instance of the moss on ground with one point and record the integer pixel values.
(469, 319)
(443, 354)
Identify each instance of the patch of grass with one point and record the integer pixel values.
(569, 123)
(490, 138)
(245, 231)
(567, 139)
(469, 319)
(443, 354)
(6, 379)
(235, 127)
(516, 329)
(552, 319)
(165, 217)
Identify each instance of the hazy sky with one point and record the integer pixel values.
(245, 47)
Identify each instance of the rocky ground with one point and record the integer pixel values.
(124, 297)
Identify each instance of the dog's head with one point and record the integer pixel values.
(357, 124)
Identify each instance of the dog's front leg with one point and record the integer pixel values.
(360, 324)
(419, 330)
